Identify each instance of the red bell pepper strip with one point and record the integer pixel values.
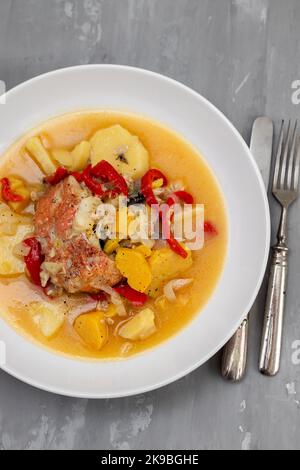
(34, 259)
(7, 194)
(172, 242)
(136, 298)
(60, 174)
(176, 247)
(146, 188)
(210, 228)
(184, 196)
(78, 176)
(106, 172)
(99, 297)
(91, 182)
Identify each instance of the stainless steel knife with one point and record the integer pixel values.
(234, 359)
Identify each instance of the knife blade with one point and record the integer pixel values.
(234, 357)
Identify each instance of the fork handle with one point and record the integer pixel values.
(269, 362)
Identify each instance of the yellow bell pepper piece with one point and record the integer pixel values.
(157, 183)
(91, 327)
(18, 186)
(135, 268)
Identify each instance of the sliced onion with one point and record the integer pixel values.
(173, 285)
(115, 298)
(81, 309)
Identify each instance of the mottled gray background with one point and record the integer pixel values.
(243, 56)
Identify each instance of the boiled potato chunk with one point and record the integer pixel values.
(18, 186)
(135, 268)
(41, 156)
(139, 327)
(80, 155)
(62, 157)
(91, 327)
(10, 264)
(122, 150)
(166, 265)
(9, 220)
(48, 317)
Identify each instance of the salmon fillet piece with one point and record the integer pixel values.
(82, 265)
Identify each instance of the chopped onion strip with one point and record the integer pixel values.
(115, 298)
(174, 285)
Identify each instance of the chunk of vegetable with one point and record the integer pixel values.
(91, 327)
(62, 157)
(135, 268)
(139, 327)
(144, 250)
(10, 264)
(121, 149)
(165, 265)
(9, 220)
(80, 156)
(85, 215)
(41, 156)
(18, 186)
(49, 318)
(110, 246)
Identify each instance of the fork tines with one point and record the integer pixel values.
(286, 174)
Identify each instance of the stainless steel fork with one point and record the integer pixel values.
(285, 190)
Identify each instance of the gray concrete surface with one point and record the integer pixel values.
(242, 55)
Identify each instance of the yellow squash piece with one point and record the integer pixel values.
(18, 186)
(10, 264)
(80, 155)
(41, 156)
(92, 328)
(166, 265)
(135, 268)
(121, 149)
(110, 246)
(139, 327)
(144, 250)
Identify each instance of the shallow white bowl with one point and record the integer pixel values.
(140, 91)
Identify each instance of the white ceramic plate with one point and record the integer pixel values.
(143, 92)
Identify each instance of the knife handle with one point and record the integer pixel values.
(234, 358)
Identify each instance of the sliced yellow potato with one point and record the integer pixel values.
(135, 268)
(166, 265)
(122, 150)
(10, 264)
(92, 328)
(62, 157)
(48, 317)
(41, 156)
(139, 327)
(80, 155)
